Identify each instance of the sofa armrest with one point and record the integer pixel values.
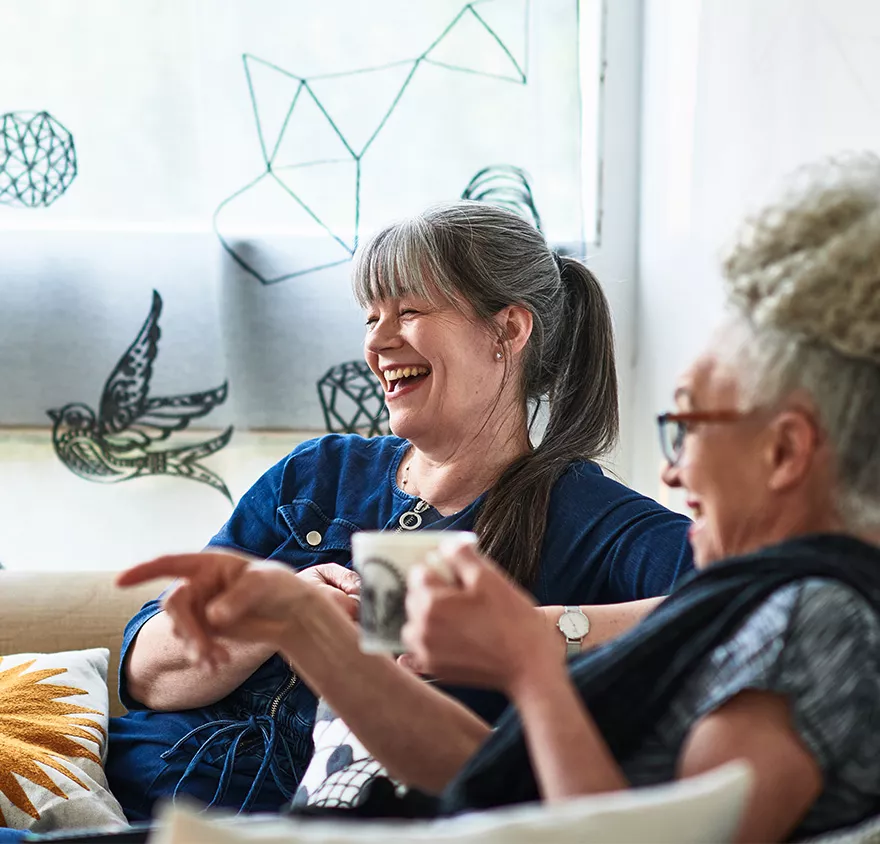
(50, 611)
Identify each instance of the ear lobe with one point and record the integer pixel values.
(515, 326)
(792, 449)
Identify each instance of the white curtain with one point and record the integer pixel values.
(228, 154)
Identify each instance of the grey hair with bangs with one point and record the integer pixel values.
(490, 258)
(399, 261)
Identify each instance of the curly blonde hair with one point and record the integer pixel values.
(810, 264)
(804, 278)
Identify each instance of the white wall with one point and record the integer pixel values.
(735, 95)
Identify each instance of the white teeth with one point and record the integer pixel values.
(405, 372)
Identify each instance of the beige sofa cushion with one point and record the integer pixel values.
(45, 612)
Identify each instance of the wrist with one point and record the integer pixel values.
(313, 622)
(543, 671)
(541, 651)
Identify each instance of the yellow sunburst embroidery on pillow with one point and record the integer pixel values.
(36, 727)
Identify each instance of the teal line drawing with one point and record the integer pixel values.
(349, 152)
(37, 159)
(506, 186)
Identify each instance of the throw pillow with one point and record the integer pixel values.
(341, 767)
(53, 742)
(690, 811)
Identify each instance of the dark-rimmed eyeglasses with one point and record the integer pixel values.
(674, 426)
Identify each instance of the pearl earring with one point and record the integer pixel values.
(498, 355)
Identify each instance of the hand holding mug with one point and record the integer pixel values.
(476, 627)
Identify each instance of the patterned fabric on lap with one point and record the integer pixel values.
(341, 767)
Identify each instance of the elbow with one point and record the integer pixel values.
(148, 693)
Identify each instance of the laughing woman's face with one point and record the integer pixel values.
(437, 366)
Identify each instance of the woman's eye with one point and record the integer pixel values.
(371, 321)
(408, 312)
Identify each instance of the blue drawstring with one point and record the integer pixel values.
(261, 725)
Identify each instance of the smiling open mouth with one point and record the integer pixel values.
(399, 378)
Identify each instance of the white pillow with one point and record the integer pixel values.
(53, 742)
(699, 810)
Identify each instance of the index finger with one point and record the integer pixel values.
(170, 565)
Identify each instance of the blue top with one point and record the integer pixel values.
(604, 543)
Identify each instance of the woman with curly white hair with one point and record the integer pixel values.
(770, 653)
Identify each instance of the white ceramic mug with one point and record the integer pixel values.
(383, 559)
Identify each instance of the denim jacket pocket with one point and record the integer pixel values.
(314, 530)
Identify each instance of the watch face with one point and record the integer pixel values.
(574, 625)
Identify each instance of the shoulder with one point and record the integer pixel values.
(321, 466)
(618, 544)
(811, 634)
(339, 451)
(815, 642)
(341, 447)
(821, 612)
(830, 622)
(584, 483)
(588, 500)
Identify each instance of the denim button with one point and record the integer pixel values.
(313, 538)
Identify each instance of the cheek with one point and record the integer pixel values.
(372, 360)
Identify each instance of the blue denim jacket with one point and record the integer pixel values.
(604, 543)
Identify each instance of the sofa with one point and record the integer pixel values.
(53, 612)
(49, 612)
(45, 612)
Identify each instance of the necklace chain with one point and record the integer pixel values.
(404, 480)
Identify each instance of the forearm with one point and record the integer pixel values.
(568, 753)
(607, 621)
(421, 735)
(162, 676)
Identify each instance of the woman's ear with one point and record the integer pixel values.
(514, 327)
(792, 450)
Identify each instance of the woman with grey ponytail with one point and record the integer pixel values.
(471, 321)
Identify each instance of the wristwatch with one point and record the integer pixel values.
(574, 626)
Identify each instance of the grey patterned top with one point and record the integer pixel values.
(818, 643)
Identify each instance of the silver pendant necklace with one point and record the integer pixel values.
(412, 519)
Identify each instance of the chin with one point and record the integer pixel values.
(402, 427)
(705, 556)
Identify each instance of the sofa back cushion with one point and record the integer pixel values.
(51, 611)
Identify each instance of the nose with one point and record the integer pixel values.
(383, 336)
(671, 475)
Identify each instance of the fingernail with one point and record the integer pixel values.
(433, 558)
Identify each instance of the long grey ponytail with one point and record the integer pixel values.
(583, 424)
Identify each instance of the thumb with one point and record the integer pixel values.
(343, 579)
(464, 561)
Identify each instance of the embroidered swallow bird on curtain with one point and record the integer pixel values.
(126, 439)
